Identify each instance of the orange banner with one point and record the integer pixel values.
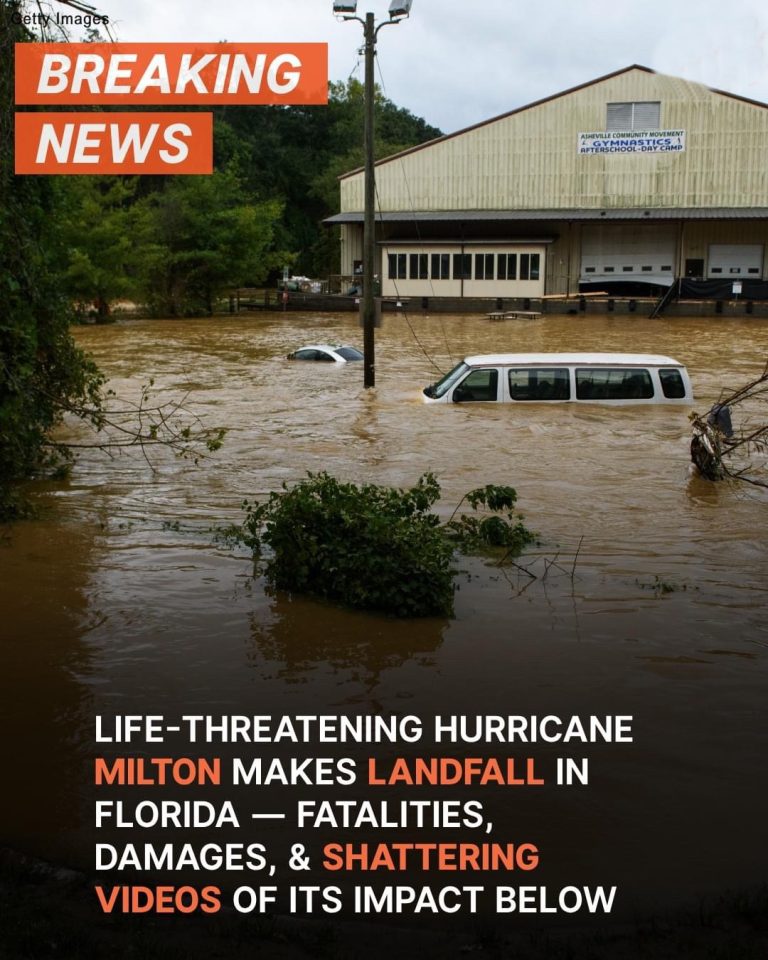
(95, 143)
(168, 73)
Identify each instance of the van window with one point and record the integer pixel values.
(672, 384)
(478, 385)
(443, 385)
(539, 383)
(613, 384)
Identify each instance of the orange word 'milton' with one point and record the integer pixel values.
(170, 143)
(157, 771)
(266, 73)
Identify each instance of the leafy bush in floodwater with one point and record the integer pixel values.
(372, 547)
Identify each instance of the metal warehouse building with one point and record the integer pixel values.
(632, 184)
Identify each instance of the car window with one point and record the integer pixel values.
(443, 385)
(477, 385)
(349, 353)
(613, 384)
(672, 384)
(304, 355)
(539, 383)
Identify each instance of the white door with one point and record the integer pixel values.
(641, 253)
(729, 260)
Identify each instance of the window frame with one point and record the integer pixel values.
(421, 263)
(508, 259)
(443, 263)
(560, 378)
(635, 125)
(672, 383)
(530, 266)
(464, 260)
(485, 264)
(400, 263)
(588, 378)
(493, 381)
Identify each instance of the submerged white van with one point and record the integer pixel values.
(618, 379)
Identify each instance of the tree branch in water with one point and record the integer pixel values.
(720, 452)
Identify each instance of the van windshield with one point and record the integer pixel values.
(439, 389)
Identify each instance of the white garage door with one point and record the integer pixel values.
(642, 253)
(727, 260)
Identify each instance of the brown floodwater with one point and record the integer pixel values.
(118, 599)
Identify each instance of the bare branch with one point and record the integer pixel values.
(715, 448)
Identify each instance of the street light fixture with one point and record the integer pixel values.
(398, 10)
(345, 7)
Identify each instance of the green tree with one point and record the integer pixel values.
(96, 230)
(42, 372)
(198, 236)
(297, 153)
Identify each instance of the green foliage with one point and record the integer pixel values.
(473, 533)
(171, 242)
(42, 372)
(297, 153)
(370, 547)
(97, 232)
(197, 236)
(373, 547)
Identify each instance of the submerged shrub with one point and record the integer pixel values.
(372, 547)
(502, 528)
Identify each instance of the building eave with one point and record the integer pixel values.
(583, 215)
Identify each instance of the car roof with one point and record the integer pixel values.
(318, 346)
(592, 359)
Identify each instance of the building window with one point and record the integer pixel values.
(441, 266)
(483, 266)
(462, 266)
(529, 266)
(638, 115)
(419, 266)
(507, 266)
(396, 263)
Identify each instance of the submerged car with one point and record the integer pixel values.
(612, 378)
(326, 353)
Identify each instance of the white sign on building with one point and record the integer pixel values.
(636, 141)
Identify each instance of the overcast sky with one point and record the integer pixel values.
(456, 62)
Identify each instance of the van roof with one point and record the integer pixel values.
(593, 359)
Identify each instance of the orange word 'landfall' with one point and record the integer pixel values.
(447, 771)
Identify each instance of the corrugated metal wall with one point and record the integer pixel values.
(529, 160)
